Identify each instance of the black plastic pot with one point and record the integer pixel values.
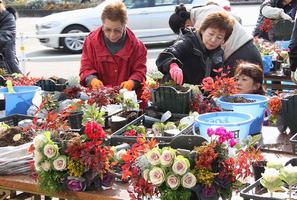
(168, 98)
(289, 112)
(258, 168)
(75, 120)
(116, 125)
(281, 30)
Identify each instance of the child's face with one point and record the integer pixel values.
(246, 84)
(213, 38)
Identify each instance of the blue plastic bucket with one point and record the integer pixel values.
(20, 101)
(238, 123)
(283, 44)
(256, 109)
(267, 63)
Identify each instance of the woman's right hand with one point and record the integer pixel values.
(96, 83)
(176, 73)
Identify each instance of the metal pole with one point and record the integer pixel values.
(23, 55)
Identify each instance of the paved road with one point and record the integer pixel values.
(70, 67)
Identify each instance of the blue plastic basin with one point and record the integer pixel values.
(20, 101)
(238, 123)
(256, 109)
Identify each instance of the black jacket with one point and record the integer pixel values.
(289, 9)
(7, 41)
(293, 49)
(191, 56)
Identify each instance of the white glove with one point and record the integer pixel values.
(285, 16)
(293, 76)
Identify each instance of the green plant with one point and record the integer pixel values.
(92, 113)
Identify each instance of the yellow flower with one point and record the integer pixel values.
(205, 177)
(75, 168)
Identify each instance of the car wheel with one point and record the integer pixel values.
(74, 44)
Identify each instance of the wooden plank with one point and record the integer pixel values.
(26, 184)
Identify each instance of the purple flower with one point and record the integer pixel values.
(76, 184)
(209, 191)
(108, 180)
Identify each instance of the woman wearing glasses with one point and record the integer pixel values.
(112, 55)
(197, 52)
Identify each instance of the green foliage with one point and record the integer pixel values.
(130, 105)
(179, 194)
(51, 181)
(92, 113)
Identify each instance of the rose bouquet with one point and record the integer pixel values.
(72, 162)
(165, 173)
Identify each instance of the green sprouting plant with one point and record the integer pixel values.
(93, 113)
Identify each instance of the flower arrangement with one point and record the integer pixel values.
(73, 163)
(163, 173)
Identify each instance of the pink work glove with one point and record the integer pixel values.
(176, 73)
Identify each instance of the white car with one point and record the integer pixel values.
(148, 20)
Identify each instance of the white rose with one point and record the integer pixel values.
(188, 180)
(157, 176)
(167, 158)
(37, 156)
(37, 167)
(173, 181)
(180, 165)
(120, 153)
(153, 156)
(270, 174)
(50, 150)
(39, 141)
(46, 165)
(145, 174)
(60, 163)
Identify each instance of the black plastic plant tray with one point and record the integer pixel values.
(118, 138)
(51, 85)
(255, 191)
(13, 120)
(293, 141)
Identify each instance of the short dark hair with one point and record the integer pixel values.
(253, 71)
(178, 19)
(219, 20)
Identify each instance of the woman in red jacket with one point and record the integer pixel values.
(112, 55)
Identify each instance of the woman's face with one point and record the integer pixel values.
(286, 2)
(113, 30)
(246, 84)
(213, 38)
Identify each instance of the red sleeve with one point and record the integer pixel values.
(139, 64)
(87, 65)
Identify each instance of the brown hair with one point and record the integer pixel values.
(116, 11)
(219, 20)
(253, 71)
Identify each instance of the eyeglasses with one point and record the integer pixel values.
(117, 31)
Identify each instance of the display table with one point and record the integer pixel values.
(277, 82)
(26, 184)
(274, 143)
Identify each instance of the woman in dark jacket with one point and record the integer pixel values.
(196, 53)
(274, 10)
(7, 39)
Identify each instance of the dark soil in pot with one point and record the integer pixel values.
(6, 137)
(238, 99)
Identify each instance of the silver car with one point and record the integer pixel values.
(147, 18)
